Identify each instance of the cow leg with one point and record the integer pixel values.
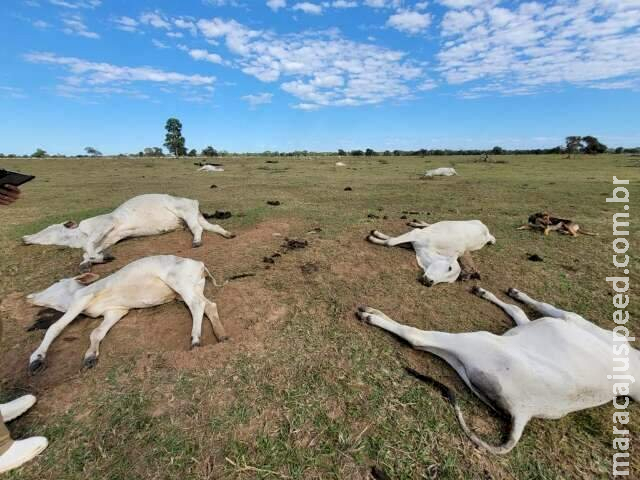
(418, 224)
(36, 361)
(211, 309)
(378, 238)
(196, 229)
(110, 319)
(196, 307)
(544, 308)
(417, 338)
(213, 228)
(513, 311)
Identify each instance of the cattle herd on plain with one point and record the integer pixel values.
(545, 368)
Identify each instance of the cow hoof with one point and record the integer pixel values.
(196, 244)
(194, 345)
(107, 257)
(85, 267)
(37, 366)
(90, 362)
(226, 338)
(513, 293)
(231, 235)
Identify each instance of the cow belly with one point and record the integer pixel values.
(145, 294)
(140, 222)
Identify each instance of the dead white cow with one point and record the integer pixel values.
(211, 168)
(546, 368)
(144, 283)
(439, 246)
(441, 172)
(141, 216)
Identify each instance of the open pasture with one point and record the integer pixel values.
(303, 390)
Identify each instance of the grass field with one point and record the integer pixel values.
(303, 390)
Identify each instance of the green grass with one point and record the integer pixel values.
(311, 394)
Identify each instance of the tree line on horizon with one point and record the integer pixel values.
(175, 143)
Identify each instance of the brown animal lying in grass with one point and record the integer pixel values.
(545, 222)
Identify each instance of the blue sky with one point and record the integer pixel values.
(253, 75)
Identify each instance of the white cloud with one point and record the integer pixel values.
(308, 7)
(457, 4)
(382, 3)
(258, 99)
(94, 73)
(76, 4)
(74, 25)
(532, 46)
(41, 24)
(12, 92)
(186, 24)
(341, 4)
(275, 5)
(127, 24)
(321, 68)
(155, 19)
(409, 21)
(159, 44)
(199, 54)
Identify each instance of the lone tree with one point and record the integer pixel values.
(574, 143)
(173, 140)
(153, 152)
(93, 152)
(592, 145)
(209, 152)
(192, 153)
(39, 153)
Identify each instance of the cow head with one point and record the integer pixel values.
(60, 295)
(441, 269)
(64, 234)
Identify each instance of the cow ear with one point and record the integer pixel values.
(70, 224)
(86, 278)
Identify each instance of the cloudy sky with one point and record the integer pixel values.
(252, 75)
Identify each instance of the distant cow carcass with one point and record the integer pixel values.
(211, 168)
(441, 172)
(141, 216)
(147, 282)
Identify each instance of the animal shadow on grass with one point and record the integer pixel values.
(47, 317)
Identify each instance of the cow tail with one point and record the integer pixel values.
(215, 283)
(517, 427)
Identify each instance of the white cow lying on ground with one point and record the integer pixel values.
(341, 164)
(211, 168)
(439, 246)
(441, 172)
(544, 368)
(144, 283)
(141, 216)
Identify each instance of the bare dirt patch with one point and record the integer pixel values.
(146, 334)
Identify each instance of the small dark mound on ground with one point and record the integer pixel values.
(293, 244)
(214, 186)
(373, 215)
(219, 215)
(535, 258)
(348, 189)
(273, 203)
(271, 161)
(309, 268)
